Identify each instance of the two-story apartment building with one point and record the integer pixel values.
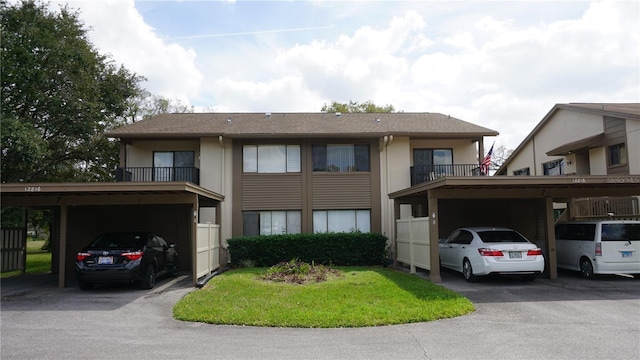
(300, 172)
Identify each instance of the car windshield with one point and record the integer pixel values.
(119, 240)
(498, 236)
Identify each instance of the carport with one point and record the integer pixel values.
(522, 203)
(84, 210)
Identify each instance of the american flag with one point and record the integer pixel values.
(486, 162)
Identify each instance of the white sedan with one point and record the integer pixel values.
(484, 251)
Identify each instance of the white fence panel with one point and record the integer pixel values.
(413, 242)
(207, 249)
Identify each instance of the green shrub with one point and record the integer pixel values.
(340, 249)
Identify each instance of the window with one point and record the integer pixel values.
(271, 222)
(437, 161)
(340, 158)
(271, 158)
(555, 167)
(174, 166)
(617, 154)
(341, 221)
(522, 172)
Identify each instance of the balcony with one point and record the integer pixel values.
(142, 174)
(425, 173)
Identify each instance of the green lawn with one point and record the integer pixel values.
(38, 261)
(364, 296)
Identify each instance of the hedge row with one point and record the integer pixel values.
(340, 249)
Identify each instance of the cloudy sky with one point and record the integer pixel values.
(499, 64)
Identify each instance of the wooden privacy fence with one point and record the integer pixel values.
(413, 243)
(13, 249)
(207, 249)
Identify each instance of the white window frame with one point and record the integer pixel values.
(265, 159)
(347, 220)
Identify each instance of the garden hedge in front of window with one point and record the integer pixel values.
(339, 249)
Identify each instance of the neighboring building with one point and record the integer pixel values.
(300, 172)
(584, 139)
(577, 138)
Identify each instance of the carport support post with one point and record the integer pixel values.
(552, 259)
(434, 254)
(63, 246)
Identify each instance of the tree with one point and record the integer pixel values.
(355, 107)
(59, 96)
(145, 105)
(499, 156)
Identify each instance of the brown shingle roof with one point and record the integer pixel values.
(246, 125)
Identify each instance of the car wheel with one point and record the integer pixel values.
(467, 271)
(149, 279)
(586, 268)
(83, 285)
(175, 268)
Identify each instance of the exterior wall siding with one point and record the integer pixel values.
(615, 133)
(271, 192)
(341, 191)
(633, 146)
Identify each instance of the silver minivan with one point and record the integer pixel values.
(599, 247)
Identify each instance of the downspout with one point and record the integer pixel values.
(223, 247)
(390, 215)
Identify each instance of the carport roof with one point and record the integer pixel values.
(558, 187)
(103, 193)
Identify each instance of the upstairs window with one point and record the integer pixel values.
(555, 167)
(340, 157)
(437, 161)
(271, 158)
(617, 154)
(173, 165)
(522, 172)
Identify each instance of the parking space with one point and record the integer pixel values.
(565, 318)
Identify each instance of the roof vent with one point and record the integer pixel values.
(267, 115)
(377, 119)
(229, 120)
(338, 114)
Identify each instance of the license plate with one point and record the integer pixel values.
(627, 254)
(515, 255)
(105, 260)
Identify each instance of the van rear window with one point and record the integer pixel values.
(576, 232)
(620, 232)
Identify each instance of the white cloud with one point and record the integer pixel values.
(491, 68)
(116, 28)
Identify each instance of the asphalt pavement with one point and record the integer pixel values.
(567, 318)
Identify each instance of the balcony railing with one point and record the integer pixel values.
(425, 173)
(140, 174)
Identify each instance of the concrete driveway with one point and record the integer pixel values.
(567, 318)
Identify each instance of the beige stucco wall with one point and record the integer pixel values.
(633, 145)
(598, 161)
(394, 175)
(216, 175)
(396, 159)
(524, 159)
(464, 151)
(140, 153)
(564, 127)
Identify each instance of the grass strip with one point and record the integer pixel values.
(364, 296)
